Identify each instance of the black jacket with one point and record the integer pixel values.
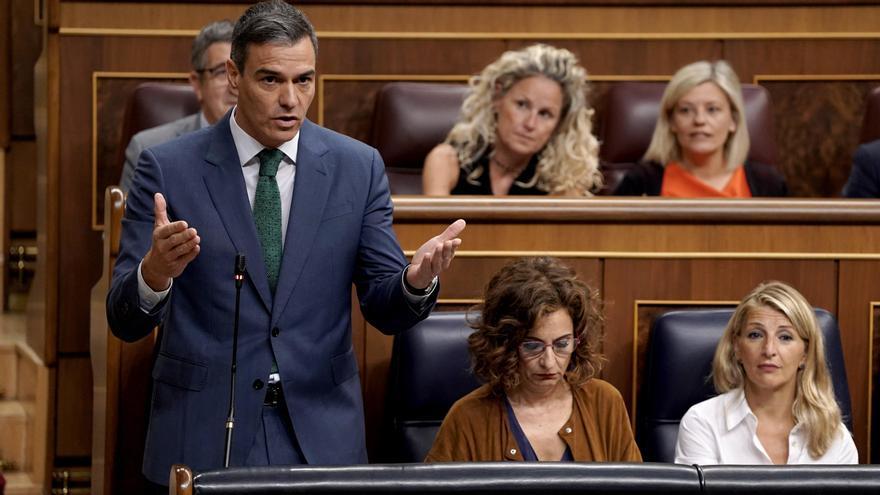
(646, 179)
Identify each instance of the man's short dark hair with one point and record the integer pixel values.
(215, 32)
(273, 21)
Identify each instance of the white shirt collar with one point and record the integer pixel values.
(736, 409)
(203, 121)
(248, 147)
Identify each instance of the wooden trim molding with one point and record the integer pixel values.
(645, 210)
(513, 35)
(690, 255)
(874, 306)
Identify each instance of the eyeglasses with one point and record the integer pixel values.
(216, 73)
(562, 347)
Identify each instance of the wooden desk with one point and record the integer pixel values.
(646, 256)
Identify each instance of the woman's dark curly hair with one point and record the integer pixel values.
(515, 299)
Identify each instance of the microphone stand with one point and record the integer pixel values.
(240, 265)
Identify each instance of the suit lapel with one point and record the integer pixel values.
(310, 191)
(228, 192)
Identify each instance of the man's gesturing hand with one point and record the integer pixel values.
(434, 256)
(175, 244)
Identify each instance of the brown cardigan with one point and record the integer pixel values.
(476, 428)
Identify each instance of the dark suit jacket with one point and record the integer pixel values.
(646, 179)
(339, 232)
(864, 178)
(151, 137)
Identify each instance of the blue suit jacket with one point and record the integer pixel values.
(864, 178)
(339, 232)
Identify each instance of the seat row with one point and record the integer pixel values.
(410, 118)
(430, 371)
(515, 477)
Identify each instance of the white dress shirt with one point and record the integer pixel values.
(248, 148)
(723, 430)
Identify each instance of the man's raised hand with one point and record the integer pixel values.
(434, 256)
(174, 245)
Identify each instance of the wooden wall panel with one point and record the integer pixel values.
(859, 301)
(557, 21)
(26, 43)
(20, 180)
(73, 414)
(817, 126)
(5, 83)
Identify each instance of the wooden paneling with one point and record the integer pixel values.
(74, 408)
(21, 185)
(43, 298)
(859, 302)
(817, 122)
(26, 41)
(641, 21)
(5, 83)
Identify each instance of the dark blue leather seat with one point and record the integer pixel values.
(430, 370)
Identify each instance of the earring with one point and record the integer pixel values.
(801, 366)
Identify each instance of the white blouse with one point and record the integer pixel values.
(723, 430)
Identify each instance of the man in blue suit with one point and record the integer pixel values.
(864, 178)
(311, 211)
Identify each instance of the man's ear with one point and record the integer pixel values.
(233, 74)
(195, 80)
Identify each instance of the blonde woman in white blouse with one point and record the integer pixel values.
(777, 404)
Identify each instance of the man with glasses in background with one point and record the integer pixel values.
(210, 51)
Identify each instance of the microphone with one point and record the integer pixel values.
(240, 266)
(240, 269)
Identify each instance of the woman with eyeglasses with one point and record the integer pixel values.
(536, 347)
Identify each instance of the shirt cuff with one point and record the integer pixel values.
(414, 295)
(147, 297)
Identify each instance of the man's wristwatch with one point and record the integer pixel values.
(414, 291)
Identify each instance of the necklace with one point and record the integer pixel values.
(505, 167)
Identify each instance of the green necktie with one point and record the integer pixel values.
(267, 213)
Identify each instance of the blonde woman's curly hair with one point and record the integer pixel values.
(569, 161)
(814, 405)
